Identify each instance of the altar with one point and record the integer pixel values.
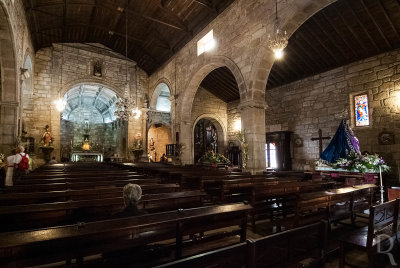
(87, 157)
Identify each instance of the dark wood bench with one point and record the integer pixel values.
(333, 205)
(24, 198)
(58, 213)
(34, 247)
(83, 178)
(300, 247)
(59, 186)
(382, 226)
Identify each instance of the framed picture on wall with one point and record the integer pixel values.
(386, 138)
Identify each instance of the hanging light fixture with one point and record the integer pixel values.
(136, 112)
(124, 106)
(278, 40)
(60, 103)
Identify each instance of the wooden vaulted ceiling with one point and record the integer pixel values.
(222, 84)
(156, 28)
(343, 32)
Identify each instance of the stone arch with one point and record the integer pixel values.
(9, 76)
(157, 90)
(192, 86)
(119, 90)
(161, 134)
(264, 58)
(221, 131)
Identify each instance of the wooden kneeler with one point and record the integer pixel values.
(382, 226)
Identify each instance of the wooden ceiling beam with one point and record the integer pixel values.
(355, 16)
(175, 17)
(132, 13)
(305, 63)
(327, 49)
(91, 20)
(376, 25)
(306, 51)
(338, 34)
(204, 3)
(33, 14)
(353, 33)
(130, 38)
(332, 41)
(388, 18)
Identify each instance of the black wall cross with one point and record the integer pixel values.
(320, 138)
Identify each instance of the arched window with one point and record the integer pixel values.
(163, 102)
(27, 84)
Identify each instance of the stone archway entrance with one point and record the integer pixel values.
(208, 136)
(89, 127)
(158, 137)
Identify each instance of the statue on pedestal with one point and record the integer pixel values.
(47, 138)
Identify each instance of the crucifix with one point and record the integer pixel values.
(320, 138)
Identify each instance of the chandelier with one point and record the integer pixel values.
(278, 40)
(124, 106)
(60, 103)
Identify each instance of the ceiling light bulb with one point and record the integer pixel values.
(278, 54)
(60, 104)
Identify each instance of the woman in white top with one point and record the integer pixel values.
(10, 168)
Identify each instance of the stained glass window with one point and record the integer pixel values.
(361, 110)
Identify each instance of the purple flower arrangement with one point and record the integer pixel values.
(362, 163)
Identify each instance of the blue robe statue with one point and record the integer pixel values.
(341, 145)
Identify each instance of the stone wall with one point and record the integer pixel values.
(77, 63)
(161, 136)
(233, 119)
(241, 34)
(15, 45)
(320, 101)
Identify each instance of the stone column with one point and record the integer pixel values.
(185, 137)
(253, 126)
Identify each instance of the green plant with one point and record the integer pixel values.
(363, 163)
(213, 158)
(241, 137)
(2, 160)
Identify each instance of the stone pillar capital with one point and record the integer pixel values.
(261, 104)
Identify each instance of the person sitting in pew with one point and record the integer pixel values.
(132, 194)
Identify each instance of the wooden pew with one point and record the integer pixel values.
(293, 248)
(333, 205)
(382, 226)
(50, 214)
(60, 186)
(98, 178)
(24, 198)
(34, 247)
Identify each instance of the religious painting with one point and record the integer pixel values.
(361, 110)
(205, 138)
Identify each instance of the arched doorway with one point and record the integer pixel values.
(88, 125)
(207, 136)
(159, 136)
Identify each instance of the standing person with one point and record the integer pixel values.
(22, 160)
(10, 165)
